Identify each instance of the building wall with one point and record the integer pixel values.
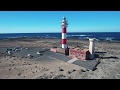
(73, 53)
(53, 49)
(80, 54)
(61, 50)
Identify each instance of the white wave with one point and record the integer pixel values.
(107, 38)
(24, 36)
(97, 40)
(83, 35)
(12, 37)
(77, 35)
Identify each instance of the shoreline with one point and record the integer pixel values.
(39, 38)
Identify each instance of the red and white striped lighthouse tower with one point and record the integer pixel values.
(64, 25)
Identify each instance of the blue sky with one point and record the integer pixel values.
(49, 21)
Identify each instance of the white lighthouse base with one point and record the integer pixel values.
(64, 46)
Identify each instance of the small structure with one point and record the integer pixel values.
(82, 54)
(29, 55)
(38, 53)
(53, 49)
(60, 50)
(27, 48)
(9, 52)
(92, 48)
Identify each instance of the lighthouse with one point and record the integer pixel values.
(64, 25)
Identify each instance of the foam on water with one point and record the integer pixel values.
(100, 36)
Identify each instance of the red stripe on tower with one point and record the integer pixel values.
(64, 25)
(63, 30)
(63, 41)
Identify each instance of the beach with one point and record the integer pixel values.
(25, 68)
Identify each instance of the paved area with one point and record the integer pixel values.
(57, 56)
(46, 55)
(89, 64)
(2, 50)
(24, 52)
(72, 60)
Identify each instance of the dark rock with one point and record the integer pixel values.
(44, 76)
(35, 66)
(19, 74)
(45, 69)
(83, 70)
(23, 64)
(61, 76)
(9, 49)
(10, 69)
(69, 77)
(69, 72)
(51, 72)
(73, 70)
(22, 57)
(11, 61)
(61, 69)
(15, 68)
(113, 60)
(87, 70)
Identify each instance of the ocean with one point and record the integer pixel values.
(100, 36)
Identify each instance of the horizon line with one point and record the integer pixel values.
(57, 32)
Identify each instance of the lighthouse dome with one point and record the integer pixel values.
(64, 17)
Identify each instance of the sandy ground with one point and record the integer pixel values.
(21, 68)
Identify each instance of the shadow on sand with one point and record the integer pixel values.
(111, 57)
(101, 54)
